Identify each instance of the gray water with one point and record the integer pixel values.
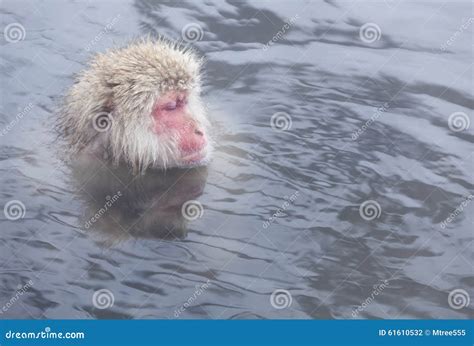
(366, 120)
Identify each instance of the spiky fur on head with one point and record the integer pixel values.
(125, 84)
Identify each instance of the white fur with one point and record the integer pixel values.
(126, 83)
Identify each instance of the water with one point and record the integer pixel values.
(280, 209)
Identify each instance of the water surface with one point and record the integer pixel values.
(364, 119)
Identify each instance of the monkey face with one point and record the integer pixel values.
(150, 90)
(167, 129)
(177, 118)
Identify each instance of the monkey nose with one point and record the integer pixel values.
(199, 132)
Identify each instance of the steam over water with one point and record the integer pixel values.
(341, 185)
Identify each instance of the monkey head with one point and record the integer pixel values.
(141, 105)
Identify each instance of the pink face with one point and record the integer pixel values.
(173, 117)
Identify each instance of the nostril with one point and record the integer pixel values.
(199, 132)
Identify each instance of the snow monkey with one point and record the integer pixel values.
(140, 105)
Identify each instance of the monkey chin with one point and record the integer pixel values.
(195, 159)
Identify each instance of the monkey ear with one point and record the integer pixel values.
(108, 107)
(111, 85)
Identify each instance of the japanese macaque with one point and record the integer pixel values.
(140, 105)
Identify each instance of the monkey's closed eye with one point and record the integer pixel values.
(170, 106)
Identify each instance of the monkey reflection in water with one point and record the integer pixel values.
(121, 204)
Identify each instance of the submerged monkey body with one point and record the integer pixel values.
(140, 105)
